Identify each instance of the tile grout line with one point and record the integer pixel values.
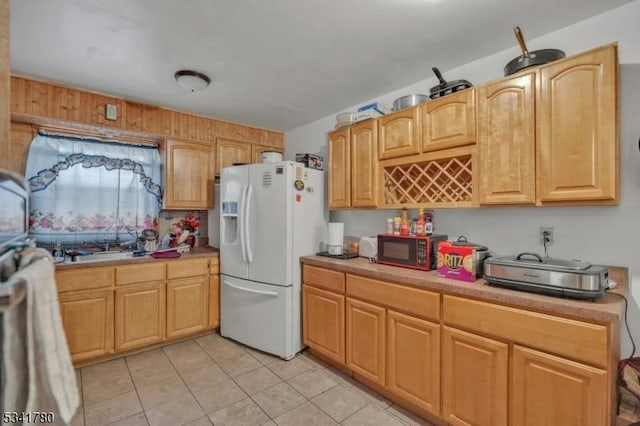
(144, 412)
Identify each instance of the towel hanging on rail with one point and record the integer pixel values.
(36, 360)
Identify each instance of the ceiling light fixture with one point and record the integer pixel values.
(192, 80)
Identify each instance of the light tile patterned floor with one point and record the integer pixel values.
(213, 380)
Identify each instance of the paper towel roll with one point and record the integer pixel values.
(336, 237)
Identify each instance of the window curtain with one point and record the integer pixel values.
(84, 189)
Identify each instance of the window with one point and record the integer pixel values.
(84, 189)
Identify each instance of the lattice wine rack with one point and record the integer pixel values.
(439, 181)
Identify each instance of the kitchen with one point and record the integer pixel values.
(578, 230)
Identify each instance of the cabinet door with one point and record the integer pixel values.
(339, 191)
(506, 141)
(398, 134)
(87, 318)
(449, 121)
(550, 390)
(214, 301)
(187, 306)
(323, 322)
(578, 128)
(229, 151)
(140, 315)
(413, 360)
(474, 379)
(364, 164)
(366, 340)
(257, 150)
(189, 175)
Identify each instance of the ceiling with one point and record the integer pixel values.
(276, 64)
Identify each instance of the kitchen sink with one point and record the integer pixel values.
(105, 256)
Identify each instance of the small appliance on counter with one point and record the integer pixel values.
(368, 247)
(415, 252)
(547, 275)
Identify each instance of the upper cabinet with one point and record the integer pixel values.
(189, 175)
(399, 134)
(339, 188)
(353, 166)
(506, 141)
(230, 152)
(577, 118)
(449, 121)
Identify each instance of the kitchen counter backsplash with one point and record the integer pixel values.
(167, 218)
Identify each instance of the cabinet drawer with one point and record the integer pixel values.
(129, 274)
(574, 339)
(84, 279)
(187, 268)
(406, 299)
(323, 278)
(214, 266)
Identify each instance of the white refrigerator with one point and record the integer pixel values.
(270, 215)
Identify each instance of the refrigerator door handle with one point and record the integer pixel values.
(246, 224)
(242, 219)
(249, 290)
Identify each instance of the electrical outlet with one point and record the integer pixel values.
(111, 112)
(548, 233)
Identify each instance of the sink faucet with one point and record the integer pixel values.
(106, 245)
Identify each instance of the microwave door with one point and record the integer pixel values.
(401, 252)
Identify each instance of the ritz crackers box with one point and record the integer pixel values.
(455, 262)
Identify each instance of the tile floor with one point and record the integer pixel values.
(213, 380)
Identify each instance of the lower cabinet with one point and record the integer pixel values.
(366, 340)
(187, 305)
(474, 379)
(214, 301)
(468, 362)
(323, 323)
(87, 318)
(139, 315)
(551, 390)
(413, 360)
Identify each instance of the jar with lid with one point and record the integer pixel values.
(396, 225)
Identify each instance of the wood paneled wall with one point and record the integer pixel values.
(4, 82)
(33, 98)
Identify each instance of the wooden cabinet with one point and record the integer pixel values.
(353, 166)
(214, 292)
(140, 300)
(257, 150)
(139, 315)
(323, 312)
(231, 151)
(506, 141)
(189, 175)
(323, 322)
(187, 297)
(366, 335)
(550, 390)
(364, 164)
(577, 116)
(413, 360)
(5, 161)
(449, 121)
(339, 187)
(399, 134)
(87, 318)
(474, 379)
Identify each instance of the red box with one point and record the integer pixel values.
(456, 262)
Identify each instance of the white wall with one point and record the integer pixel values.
(607, 235)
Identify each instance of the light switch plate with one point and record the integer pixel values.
(111, 112)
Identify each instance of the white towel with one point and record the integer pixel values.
(46, 370)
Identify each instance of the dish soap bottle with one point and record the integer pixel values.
(57, 250)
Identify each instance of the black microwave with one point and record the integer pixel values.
(412, 251)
